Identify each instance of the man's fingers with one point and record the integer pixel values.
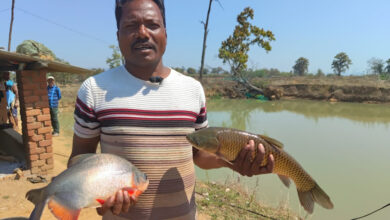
(116, 210)
(126, 201)
(106, 206)
(259, 158)
(271, 163)
(246, 162)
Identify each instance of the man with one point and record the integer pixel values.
(142, 112)
(12, 97)
(54, 95)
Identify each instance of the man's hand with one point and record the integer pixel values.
(243, 165)
(120, 202)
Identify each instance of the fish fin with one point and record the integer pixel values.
(77, 159)
(307, 201)
(101, 201)
(38, 210)
(35, 195)
(133, 192)
(224, 158)
(61, 212)
(321, 197)
(285, 180)
(316, 194)
(272, 141)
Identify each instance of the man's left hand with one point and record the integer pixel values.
(243, 165)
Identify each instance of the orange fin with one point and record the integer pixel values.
(101, 201)
(62, 212)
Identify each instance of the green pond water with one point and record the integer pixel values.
(345, 147)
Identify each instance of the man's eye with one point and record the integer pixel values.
(153, 26)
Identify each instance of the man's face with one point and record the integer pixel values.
(50, 82)
(141, 35)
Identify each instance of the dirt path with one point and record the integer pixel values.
(12, 193)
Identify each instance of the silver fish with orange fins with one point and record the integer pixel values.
(227, 144)
(88, 182)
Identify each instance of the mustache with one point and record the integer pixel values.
(142, 42)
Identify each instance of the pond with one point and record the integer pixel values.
(345, 147)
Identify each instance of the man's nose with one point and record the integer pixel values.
(142, 32)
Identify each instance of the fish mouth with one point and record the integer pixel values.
(190, 138)
(144, 185)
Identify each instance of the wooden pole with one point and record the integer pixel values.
(10, 27)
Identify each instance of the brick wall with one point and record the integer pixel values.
(36, 122)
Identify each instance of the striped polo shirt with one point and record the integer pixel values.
(146, 123)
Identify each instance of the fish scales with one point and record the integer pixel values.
(228, 143)
(232, 142)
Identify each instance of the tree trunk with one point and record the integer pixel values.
(206, 31)
(10, 27)
(240, 79)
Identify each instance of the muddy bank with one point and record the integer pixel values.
(367, 89)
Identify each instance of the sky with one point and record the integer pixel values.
(81, 31)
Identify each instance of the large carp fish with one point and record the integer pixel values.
(227, 144)
(88, 182)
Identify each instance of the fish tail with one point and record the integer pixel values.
(37, 212)
(316, 194)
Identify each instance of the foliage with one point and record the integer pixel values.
(387, 68)
(341, 63)
(218, 70)
(116, 58)
(301, 66)
(320, 73)
(191, 70)
(180, 69)
(36, 49)
(376, 66)
(234, 50)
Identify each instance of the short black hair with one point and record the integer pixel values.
(119, 4)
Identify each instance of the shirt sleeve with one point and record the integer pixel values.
(86, 123)
(58, 93)
(201, 120)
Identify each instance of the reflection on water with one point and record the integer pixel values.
(344, 146)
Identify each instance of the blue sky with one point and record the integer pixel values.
(80, 31)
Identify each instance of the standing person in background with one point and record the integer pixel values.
(54, 95)
(12, 96)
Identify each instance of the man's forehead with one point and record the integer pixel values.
(146, 8)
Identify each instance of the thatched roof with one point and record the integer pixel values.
(10, 61)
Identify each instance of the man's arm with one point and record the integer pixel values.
(15, 91)
(58, 93)
(83, 145)
(241, 164)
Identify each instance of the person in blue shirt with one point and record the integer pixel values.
(12, 97)
(54, 95)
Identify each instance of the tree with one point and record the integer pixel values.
(387, 68)
(217, 70)
(234, 50)
(116, 58)
(320, 73)
(301, 66)
(191, 70)
(341, 63)
(376, 66)
(206, 32)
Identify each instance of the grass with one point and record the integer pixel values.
(230, 202)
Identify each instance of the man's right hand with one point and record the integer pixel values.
(118, 203)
